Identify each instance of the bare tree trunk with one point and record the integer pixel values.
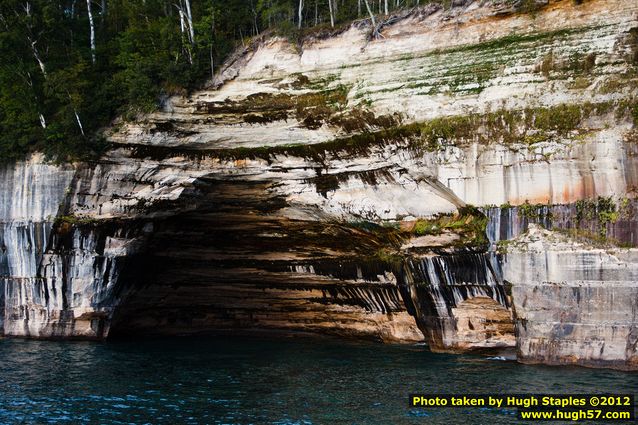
(252, 6)
(212, 63)
(358, 8)
(374, 22)
(386, 7)
(91, 23)
(182, 23)
(332, 16)
(189, 17)
(316, 12)
(300, 13)
(212, 32)
(36, 54)
(43, 122)
(32, 42)
(77, 117)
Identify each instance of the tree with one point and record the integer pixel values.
(374, 23)
(92, 29)
(54, 93)
(300, 19)
(332, 14)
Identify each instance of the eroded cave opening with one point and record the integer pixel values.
(234, 262)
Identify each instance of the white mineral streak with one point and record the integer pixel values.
(424, 68)
(473, 60)
(574, 303)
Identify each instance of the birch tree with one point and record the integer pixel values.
(186, 28)
(300, 13)
(36, 54)
(332, 16)
(374, 22)
(189, 17)
(43, 121)
(92, 25)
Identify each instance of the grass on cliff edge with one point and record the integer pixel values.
(510, 127)
(469, 222)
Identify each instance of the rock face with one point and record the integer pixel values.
(58, 276)
(459, 303)
(328, 186)
(574, 303)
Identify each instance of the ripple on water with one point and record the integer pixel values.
(262, 381)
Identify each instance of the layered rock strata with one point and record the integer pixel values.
(574, 303)
(326, 186)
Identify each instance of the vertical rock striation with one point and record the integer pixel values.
(574, 303)
(460, 303)
(31, 196)
(324, 187)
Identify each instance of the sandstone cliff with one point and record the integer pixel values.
(341, 185)
(574, 303)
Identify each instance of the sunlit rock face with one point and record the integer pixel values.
(307, 187)
(574, 303)
(58, 276)
(459, 303)
(31, 196)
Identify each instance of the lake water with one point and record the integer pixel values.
(257, 380)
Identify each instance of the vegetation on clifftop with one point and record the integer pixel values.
(68, 67)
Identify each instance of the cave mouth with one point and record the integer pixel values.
(198, 295)
(234, 264)
(207, 297)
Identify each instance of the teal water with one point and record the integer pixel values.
(242, 380)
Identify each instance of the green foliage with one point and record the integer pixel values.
(603, 209)
(502, 246)
(73, 220)
(469, 222)
(144, 54)
(55, 98)
(527, 210)
(389, 257)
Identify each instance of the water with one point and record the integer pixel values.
(241, 380)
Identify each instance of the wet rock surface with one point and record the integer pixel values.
(574, 303)
(330, 188)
